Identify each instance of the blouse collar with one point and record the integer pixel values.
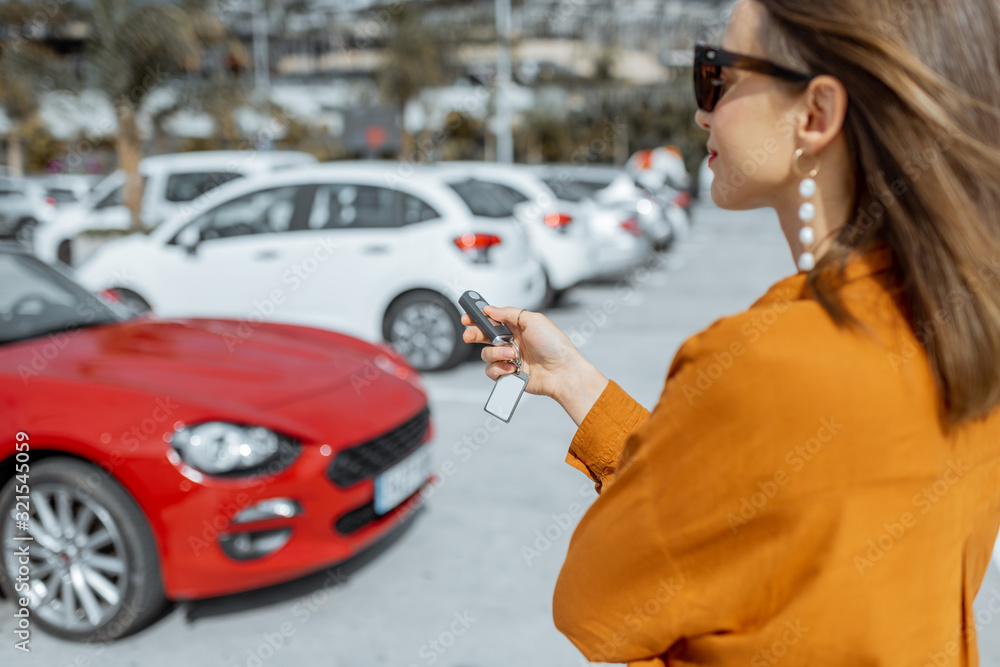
(859, 266)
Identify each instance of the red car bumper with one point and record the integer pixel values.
(194, 564)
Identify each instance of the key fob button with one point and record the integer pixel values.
(480, 304)
(475, 296)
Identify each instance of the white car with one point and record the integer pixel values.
(67, 189)
(613, 187)
(656, 167)
(23, 206)
(560, 236)
(619, 241)
(172, 182)
(615, 239)
(355, 247)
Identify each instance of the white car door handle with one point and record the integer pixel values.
(266, 255)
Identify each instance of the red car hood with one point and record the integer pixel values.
(262, 366)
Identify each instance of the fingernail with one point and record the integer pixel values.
(509, 354)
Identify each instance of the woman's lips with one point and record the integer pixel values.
(711, 155)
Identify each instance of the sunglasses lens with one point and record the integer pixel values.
(705, 92)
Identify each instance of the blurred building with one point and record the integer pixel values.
(324, 58)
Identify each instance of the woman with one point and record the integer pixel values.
(819, 482)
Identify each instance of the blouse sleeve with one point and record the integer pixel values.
(664, 552)
(598, 442)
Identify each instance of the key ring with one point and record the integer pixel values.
(517, 358)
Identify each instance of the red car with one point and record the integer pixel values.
(145, 459)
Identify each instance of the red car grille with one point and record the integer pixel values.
(370, 458)
(356, 519)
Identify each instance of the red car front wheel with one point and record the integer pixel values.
(92, 567)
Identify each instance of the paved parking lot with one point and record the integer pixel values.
(468, 581)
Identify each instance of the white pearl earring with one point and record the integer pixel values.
(807, 211)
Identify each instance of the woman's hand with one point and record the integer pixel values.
(554, 366)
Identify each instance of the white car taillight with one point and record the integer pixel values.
(557, 220)
(631, 225)
(476, 246)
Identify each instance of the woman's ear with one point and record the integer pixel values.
(820, 113)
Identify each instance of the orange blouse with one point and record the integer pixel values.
(790, 499)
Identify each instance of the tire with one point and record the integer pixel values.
(65, 252)
(24, 232)
(416, 320)
(664, 245)
(98, 593)
(552, 296)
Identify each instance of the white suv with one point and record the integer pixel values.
(172, 182)
(355, 247)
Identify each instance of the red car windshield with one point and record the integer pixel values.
(36, 300)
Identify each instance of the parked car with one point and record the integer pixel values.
(331, 246)
(573, 241)
(23, 206)
(612, 187)
(171, 183)
(147, 460)
(67, 188)
(557, 235)
(656, 167)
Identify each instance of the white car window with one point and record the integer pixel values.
(113, 198)
(488, 199)
(574, 190)
(339, 205)
(417, 210)
(262, 212)
(189, 186)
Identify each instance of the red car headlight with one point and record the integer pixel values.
(225, 449)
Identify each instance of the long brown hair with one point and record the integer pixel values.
(923, 132)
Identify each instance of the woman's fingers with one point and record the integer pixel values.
(472, 334)
(499, 358)
(493, 353)
(506, 315)
(494, 371)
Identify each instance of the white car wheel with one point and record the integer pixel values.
(425, 328)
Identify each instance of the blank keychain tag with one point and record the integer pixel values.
(505, 395)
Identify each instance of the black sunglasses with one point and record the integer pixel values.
(708, 64)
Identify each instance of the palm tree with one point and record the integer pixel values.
(135, 48)
(25, 66)
(20, 100)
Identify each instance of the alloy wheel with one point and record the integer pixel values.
(78, 560)
(424, 333)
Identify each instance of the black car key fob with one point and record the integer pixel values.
(495, 332)
(508, 388)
